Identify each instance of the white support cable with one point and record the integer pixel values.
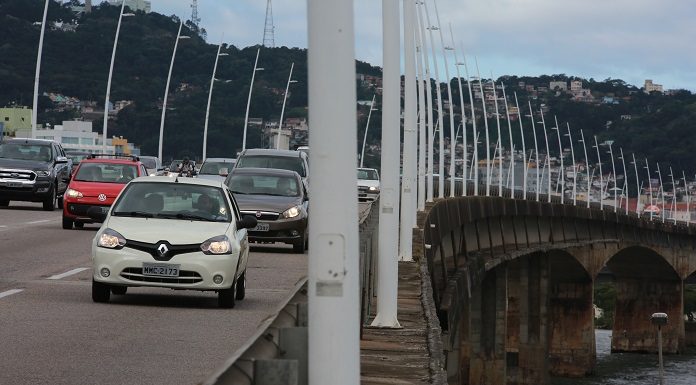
(465, 155)
(536, 148)
(512, 144)
(429, 99)
(440, 115)
(524, 149)
(500, 140)
(488, 138)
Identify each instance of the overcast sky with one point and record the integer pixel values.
(631, 40)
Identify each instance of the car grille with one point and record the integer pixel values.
(17, 175)
(80, 209)
(185, 277)
(172, 250)
(262, 215)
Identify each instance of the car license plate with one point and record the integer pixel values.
(13, 184)
(261, 227)
(160, 269)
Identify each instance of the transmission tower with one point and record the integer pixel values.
(268, 29)
(194, 13)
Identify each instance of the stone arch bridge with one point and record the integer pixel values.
(513, 284)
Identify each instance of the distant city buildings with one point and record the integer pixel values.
(134, 5)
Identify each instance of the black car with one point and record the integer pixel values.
(280, 159)
(33, 170)
(278, 200)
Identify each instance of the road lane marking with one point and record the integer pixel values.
(39, 221)
(68, 273)
(10, 292)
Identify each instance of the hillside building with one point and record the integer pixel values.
(650, 86)
(15, 118)
(134, 5)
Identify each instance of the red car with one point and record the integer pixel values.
(96, 183)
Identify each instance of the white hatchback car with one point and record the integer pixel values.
(181, 233)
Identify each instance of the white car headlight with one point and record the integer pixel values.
(217, 245)
(373, 188)
(292, 212)
(73, 193)
(43, 173)
(111, 239)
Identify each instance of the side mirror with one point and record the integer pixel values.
(224, 171)
(61, 159)
(97, 214)
(247, 222)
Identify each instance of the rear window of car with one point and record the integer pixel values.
(280, 162)
(106, 172)
(213, 168)
(149, 163)
(23, 151)
(264, 185)
(178, 201)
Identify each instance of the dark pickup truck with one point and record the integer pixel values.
(33, 170)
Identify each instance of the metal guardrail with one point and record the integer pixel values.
(276, 354)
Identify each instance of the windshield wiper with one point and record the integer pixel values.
(187, 216)
(240, 192)
(133, 214)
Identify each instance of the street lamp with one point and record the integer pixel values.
(524, 149)
(674, 195)
(500, 141)
(601, 181)
(659, 320)
(451, 109)
(210, 96)
(440, 117)
(647, 168)
(536, 148)
(662, 191)
(465, 155)
(548, 153)
(575, 167)
(488, 138)
(625, 181)
(635, 168)
(561, 179)
(367, 126)
(35, 108)
(686, 191)
(613, 168)
(251, 87)
(166, 89)
(282, 111)
(587, 169)
(111, 71)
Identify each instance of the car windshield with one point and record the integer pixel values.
(23, 151)
(264, 185)
(106, 172)
(150, 163)
(293, 163)
(77, 157)
(367, 174)
(213, 168)
(178, 201)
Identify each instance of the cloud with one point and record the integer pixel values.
(628, 39)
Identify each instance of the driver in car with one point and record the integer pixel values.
(207, 205)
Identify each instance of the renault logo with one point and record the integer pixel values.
(162, 249)
(258, 214)
(101, 197)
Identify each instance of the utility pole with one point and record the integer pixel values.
(35, 109)
(333, 284)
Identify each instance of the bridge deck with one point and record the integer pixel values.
(399, 356)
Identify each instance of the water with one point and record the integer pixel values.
(634, 369)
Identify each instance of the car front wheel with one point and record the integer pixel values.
(226, 297)
(101, 292)
(241, 286)
(50, 203)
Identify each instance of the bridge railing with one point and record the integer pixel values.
(278, 347)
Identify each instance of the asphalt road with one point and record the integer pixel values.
(52, 333)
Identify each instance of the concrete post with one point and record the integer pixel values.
(334, 305)
(387, 269)
(636, 300)
(408, 183)
(488, 329)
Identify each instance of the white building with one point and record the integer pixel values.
(650, 86)
(73, 135)
(576, 85)
(134, 5)
(560, 85)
